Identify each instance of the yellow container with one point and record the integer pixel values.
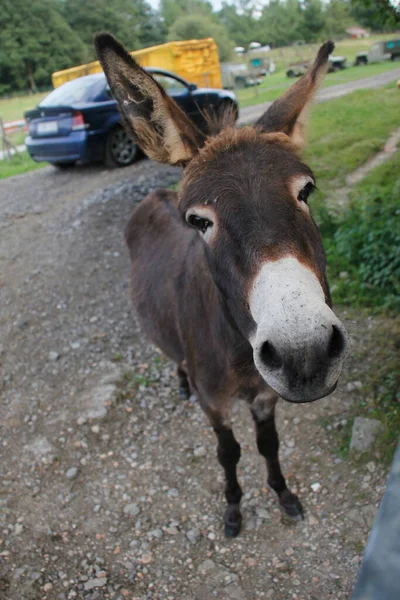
(194, 60)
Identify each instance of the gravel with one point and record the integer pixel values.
(140, 515)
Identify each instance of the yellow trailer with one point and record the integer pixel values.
(194, 60)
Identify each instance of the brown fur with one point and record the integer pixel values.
(192, 299)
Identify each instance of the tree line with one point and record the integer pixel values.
(42, 36)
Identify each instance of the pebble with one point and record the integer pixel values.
(53, 356)
(200, 451)
(316, 487)
(72, 473)
(173, 492)
(193, 535)
(132, 510)
(47, 587)
(156, 533)
(95, 583)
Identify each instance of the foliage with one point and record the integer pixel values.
(133, 22)
(364, 249)
(35, 41)
(190, 27)
(172, 10)
(378, 15)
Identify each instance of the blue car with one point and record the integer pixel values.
(79, 121)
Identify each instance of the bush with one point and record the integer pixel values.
(363, 247)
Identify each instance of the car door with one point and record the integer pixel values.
(180, 92)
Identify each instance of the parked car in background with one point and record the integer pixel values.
(238, 76)
(80, 121)
(336, 63)
(387, 50)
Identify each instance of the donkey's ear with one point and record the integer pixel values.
(289, 112)
(149, 115)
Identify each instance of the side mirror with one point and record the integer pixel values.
(109, 92)
(192, 87)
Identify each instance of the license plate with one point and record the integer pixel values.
(47, 127)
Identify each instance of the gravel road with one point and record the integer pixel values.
(250, 113)
(109, 483)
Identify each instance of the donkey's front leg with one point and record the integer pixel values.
(228, 452)
(263, 411)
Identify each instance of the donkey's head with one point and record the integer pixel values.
(245, 191)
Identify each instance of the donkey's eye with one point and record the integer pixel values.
(199, 223)
(306, 191)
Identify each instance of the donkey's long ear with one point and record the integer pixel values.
(288, 113)
(149, 115)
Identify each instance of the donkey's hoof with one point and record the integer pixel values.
(291, 506)
(232, 521)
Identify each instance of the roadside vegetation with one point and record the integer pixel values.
(345, 132)
(20, 163)
(362, 242)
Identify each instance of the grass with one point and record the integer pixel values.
(12, 109)
(348, 48)
(20, 163)
(346, 131)
(363, 244)
(274, 85)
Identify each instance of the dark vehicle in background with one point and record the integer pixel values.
(388, 50)
(238, 76)
(336, 63)
(80, 121)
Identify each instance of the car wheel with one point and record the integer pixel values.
(290, 73)
(65, 165)
(120, 150)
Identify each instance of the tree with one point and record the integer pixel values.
(133, 22)
(172, 10)
(242, 27)
(337, 18)
(282, 23)
(378, 15)
(313, 20)
(35, 41)
(200, 26)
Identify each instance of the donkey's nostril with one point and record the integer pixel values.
(270, 356)
(336, 343)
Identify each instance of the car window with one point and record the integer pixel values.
(73, 92)
(169, 83)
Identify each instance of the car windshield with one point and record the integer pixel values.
(73, 92)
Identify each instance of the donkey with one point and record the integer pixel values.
(228, 275)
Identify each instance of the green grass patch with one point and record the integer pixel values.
(345, 132)
(12, 109)
(363, 243)
(274, 85)
(20, 163)
(348, 48)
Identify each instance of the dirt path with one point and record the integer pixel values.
(250, 113)
(109, 485)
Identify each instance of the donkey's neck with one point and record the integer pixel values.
(209, 321)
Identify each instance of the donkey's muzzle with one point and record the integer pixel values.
(302, 368)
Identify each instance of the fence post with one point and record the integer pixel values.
(5, 142)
